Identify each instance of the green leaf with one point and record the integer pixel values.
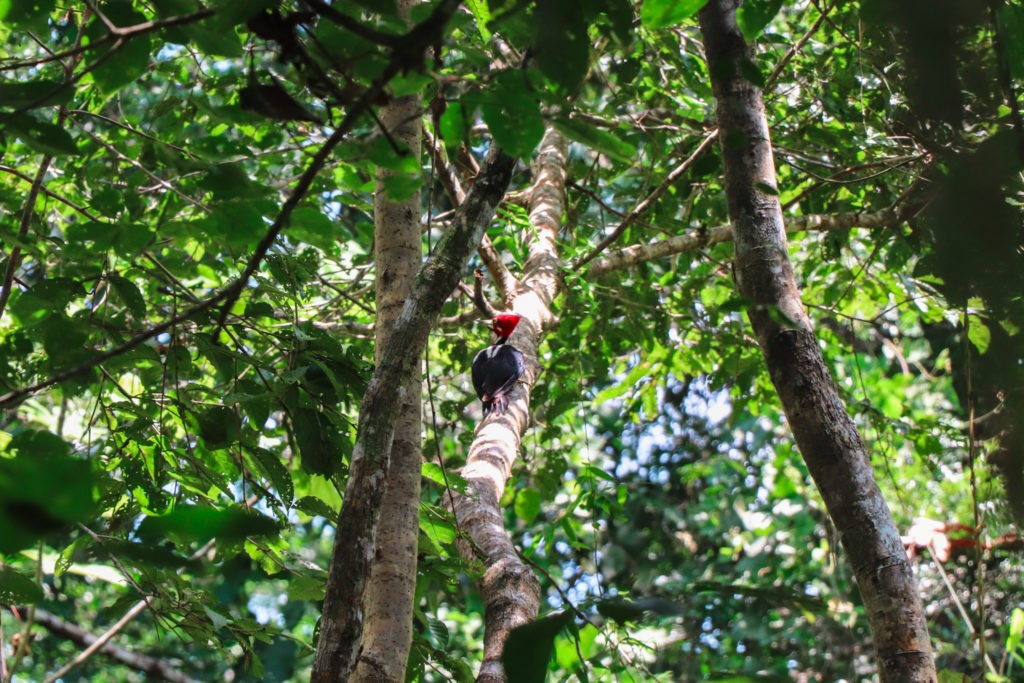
(28, 94)
(527, 504)
(979, 334)
(41, 136)
(512, 112)
(129, 294)
(634, 610)
(196, 523)
(399, 188)
(314, 507)
(529, 647)
(753, 15)
(214, 40)
(319, 441)
(438, 530)
(661, 13)
(455, 124)
(1016, 631)
(598, 139)
(620, 14)
(482, 13)
(562, 43)
(29, 15)
(44, 299)
(275, 472)
(311, 588)
(117, 68)
(439, 633)
(1011, 20)
(219, 427)
(42, 489)
(18, 589)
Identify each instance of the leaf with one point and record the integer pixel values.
(319, 441)
(30, 94)
(18, 589)
(529, 647)
(455, 124)
(29, 15)
(979, 334)
(311, 588)
(438, 630)
(661, 13)
(561, 42)
(219, 427)
(482, 13)
(597, 139)
(314, 507)
(129, 294)
(1011, 20)
(198, 523)
(42, 489)
(433, 472)
(634, 610)
(436, 529)
(213, 40)
(41, 136)
(275, 472)
(1016, 635)
(620, 14)
(512, 112)
(117, 68)
(753, 15)
(527, 504)
(399, 188)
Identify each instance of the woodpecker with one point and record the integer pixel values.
(497, 368)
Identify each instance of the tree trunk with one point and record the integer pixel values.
(341, 625)
(510, 591)
(828, 440)
(392, 585)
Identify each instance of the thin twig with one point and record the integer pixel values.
(14, 259)
(125, 32)
(504, 280)
(426, 32)
(648, 201)
(100, 641)
(796, 47)
(229, 294)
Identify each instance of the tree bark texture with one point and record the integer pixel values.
(510, 591)
(341, 625)
(828, 440)
(398, 253)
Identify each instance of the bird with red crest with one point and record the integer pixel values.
(497, 368)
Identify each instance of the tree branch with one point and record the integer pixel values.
(648, 201)
(836, 456)
(100, 641)
(148, 665)
(504, 281)
(342, 622)
(628, 257)
(14, 258)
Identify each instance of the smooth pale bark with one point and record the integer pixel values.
(510, 591)
(392, 586)
(341, 625)
(633, 255)
(828, 440)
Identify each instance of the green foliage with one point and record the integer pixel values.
(659, 490)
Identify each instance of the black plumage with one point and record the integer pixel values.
(495, 371)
